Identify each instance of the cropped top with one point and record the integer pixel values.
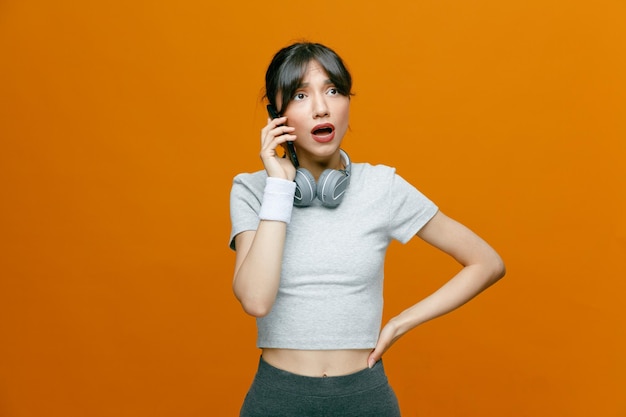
(331, 286)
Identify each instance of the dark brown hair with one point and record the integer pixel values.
(286, 71)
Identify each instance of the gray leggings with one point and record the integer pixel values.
(278, 393)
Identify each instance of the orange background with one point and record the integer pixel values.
(123, 123)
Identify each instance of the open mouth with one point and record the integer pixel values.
(323, 131)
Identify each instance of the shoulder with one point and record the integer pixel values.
(384, 178)
(378, 176)
(252, 182)
(364, 171)
(248, 188)
(251, 179)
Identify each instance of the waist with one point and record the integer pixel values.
(333, 386)
(317, 363)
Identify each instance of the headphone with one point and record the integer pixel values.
(329, 189)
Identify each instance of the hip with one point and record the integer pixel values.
(275, 392)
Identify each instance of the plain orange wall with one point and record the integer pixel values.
(123, 123)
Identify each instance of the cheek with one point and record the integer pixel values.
(344, 114)
(293, 119)
(297, 122)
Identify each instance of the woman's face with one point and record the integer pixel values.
(319, 113)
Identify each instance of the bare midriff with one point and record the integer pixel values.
(317, 363)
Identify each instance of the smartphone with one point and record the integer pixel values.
(291, 150)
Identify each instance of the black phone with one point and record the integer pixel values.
(291, 150)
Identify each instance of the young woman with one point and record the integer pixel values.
(310, 247)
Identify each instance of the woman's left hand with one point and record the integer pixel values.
(388, 336)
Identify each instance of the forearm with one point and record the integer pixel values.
(464, 286)
(482, 266)
(260, 252)
(257, 278)
(467, 284)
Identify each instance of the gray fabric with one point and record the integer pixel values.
(330, 295)
(278, 393)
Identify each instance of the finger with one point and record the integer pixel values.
(282, 130)
(278, 121)
(271, 147)
(373, 358)
(385, 340)
(276, 136)
(274, 123)
(377, 352)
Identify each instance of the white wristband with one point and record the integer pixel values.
(277, 200)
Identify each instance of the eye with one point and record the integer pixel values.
(299, 96)
(332, 91)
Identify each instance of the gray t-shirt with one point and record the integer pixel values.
(330, 294)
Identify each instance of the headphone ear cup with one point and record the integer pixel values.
(331, 186)
(306, 189)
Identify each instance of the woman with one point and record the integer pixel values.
(310, 246)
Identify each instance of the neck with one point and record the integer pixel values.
(316, 167)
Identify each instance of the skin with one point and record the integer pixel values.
(259, 253)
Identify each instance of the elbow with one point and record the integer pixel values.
(257, 310)
(498, 269)
(254, 302)
(254, 306)
(492, 269)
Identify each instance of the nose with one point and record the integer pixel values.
(320, 107)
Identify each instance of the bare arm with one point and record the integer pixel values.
(257, 267)
(482, 267)
(259, 253)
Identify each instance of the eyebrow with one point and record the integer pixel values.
(304, 85)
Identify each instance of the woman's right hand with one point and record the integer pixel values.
(275, 134)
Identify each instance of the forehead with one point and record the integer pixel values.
(298, 76)
(314, 70)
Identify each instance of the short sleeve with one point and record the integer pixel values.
(246, 195)
(410, 209)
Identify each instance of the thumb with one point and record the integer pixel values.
(373, 357)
